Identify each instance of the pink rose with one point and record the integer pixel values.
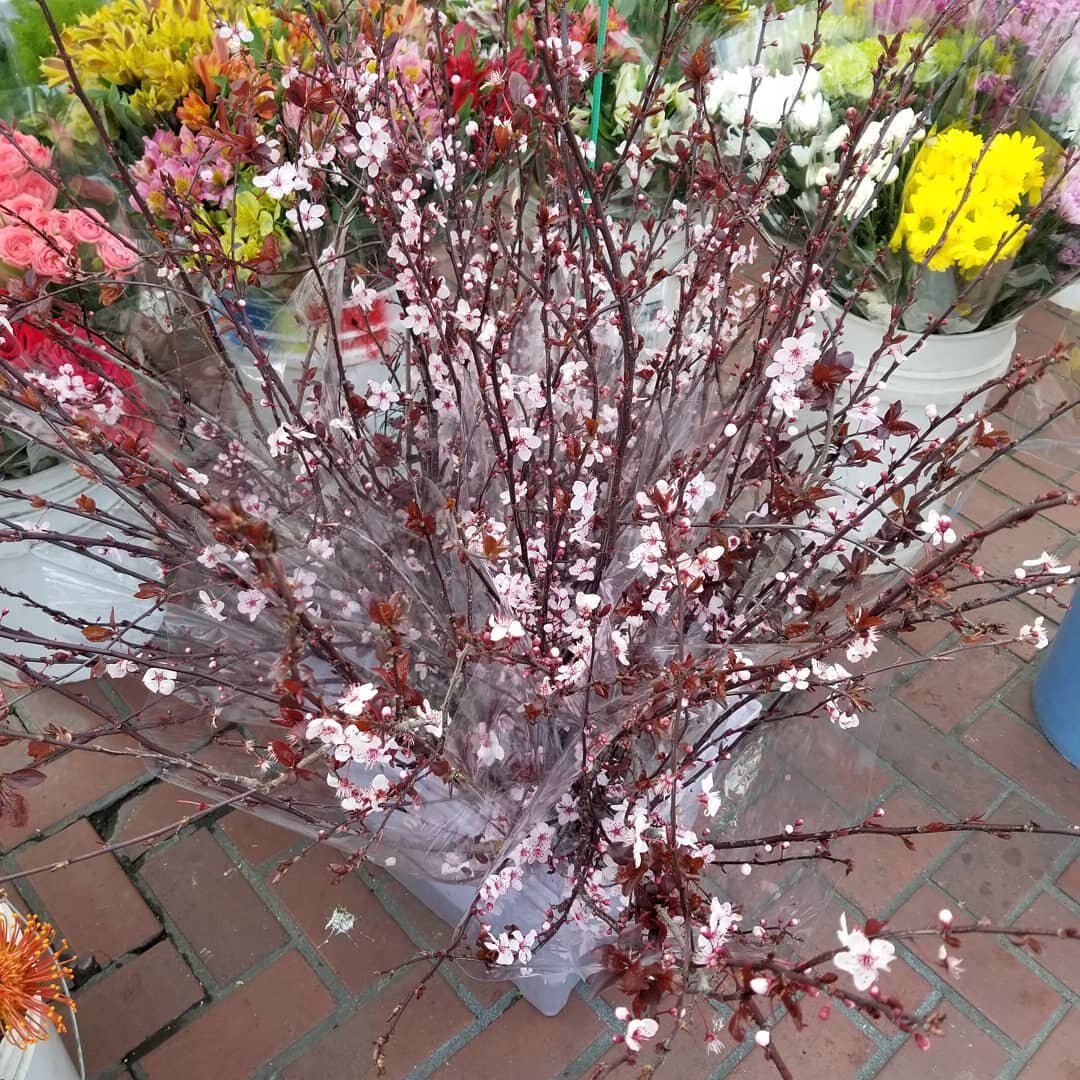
(42, 221)
(50, 259)
(9, 186)
(39, 155)
(17, 246)
(11, 161)
(38, 187)
(82, 226)
(19, 209)
(116, 254)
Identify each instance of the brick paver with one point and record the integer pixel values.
(128, 1004)
(257, 1020)
(196, 965)
(93, 904)
(198, 884)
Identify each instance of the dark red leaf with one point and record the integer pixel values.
(284, 753)
(28, 777)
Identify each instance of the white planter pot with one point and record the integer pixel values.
(67, 580)
(941, 372)
(47, 1060)
(1069, 297)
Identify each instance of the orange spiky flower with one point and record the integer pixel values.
(32, 977)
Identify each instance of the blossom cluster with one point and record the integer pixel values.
(924, 139)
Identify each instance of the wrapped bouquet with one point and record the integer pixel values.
(543, 610)
(942, 132)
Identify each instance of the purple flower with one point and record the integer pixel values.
(1038, 24)
(1068, 204)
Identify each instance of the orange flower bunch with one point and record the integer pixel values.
(32, 978)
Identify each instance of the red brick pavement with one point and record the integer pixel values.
(194, 966)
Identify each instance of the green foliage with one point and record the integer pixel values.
(25, 37)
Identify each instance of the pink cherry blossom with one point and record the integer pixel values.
(637, 1030)
(159, 681)
(251, 602)
(489, 749)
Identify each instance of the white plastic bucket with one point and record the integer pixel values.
(939, 373)
(1069, 297)
(46, 1060)
(66, 580)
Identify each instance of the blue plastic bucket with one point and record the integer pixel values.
(1056, 694)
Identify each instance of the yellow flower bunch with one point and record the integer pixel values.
(983, 184)
(252, 219)
(151, 45)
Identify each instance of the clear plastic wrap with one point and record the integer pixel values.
(505, 792)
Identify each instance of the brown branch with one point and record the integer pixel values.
(868, 828)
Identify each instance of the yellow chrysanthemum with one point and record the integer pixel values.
(1013, 166)
(962, 199)
(984, 234)
(924, 222)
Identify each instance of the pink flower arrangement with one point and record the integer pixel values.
(38, 239)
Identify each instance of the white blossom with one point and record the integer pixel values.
(211, 606)
(937, 529)
(308, 216)
(354, 699)
(251, 602)
(159, 681)
(1034, 634)
(862, 958)
(636, 1029)
(489, 749)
